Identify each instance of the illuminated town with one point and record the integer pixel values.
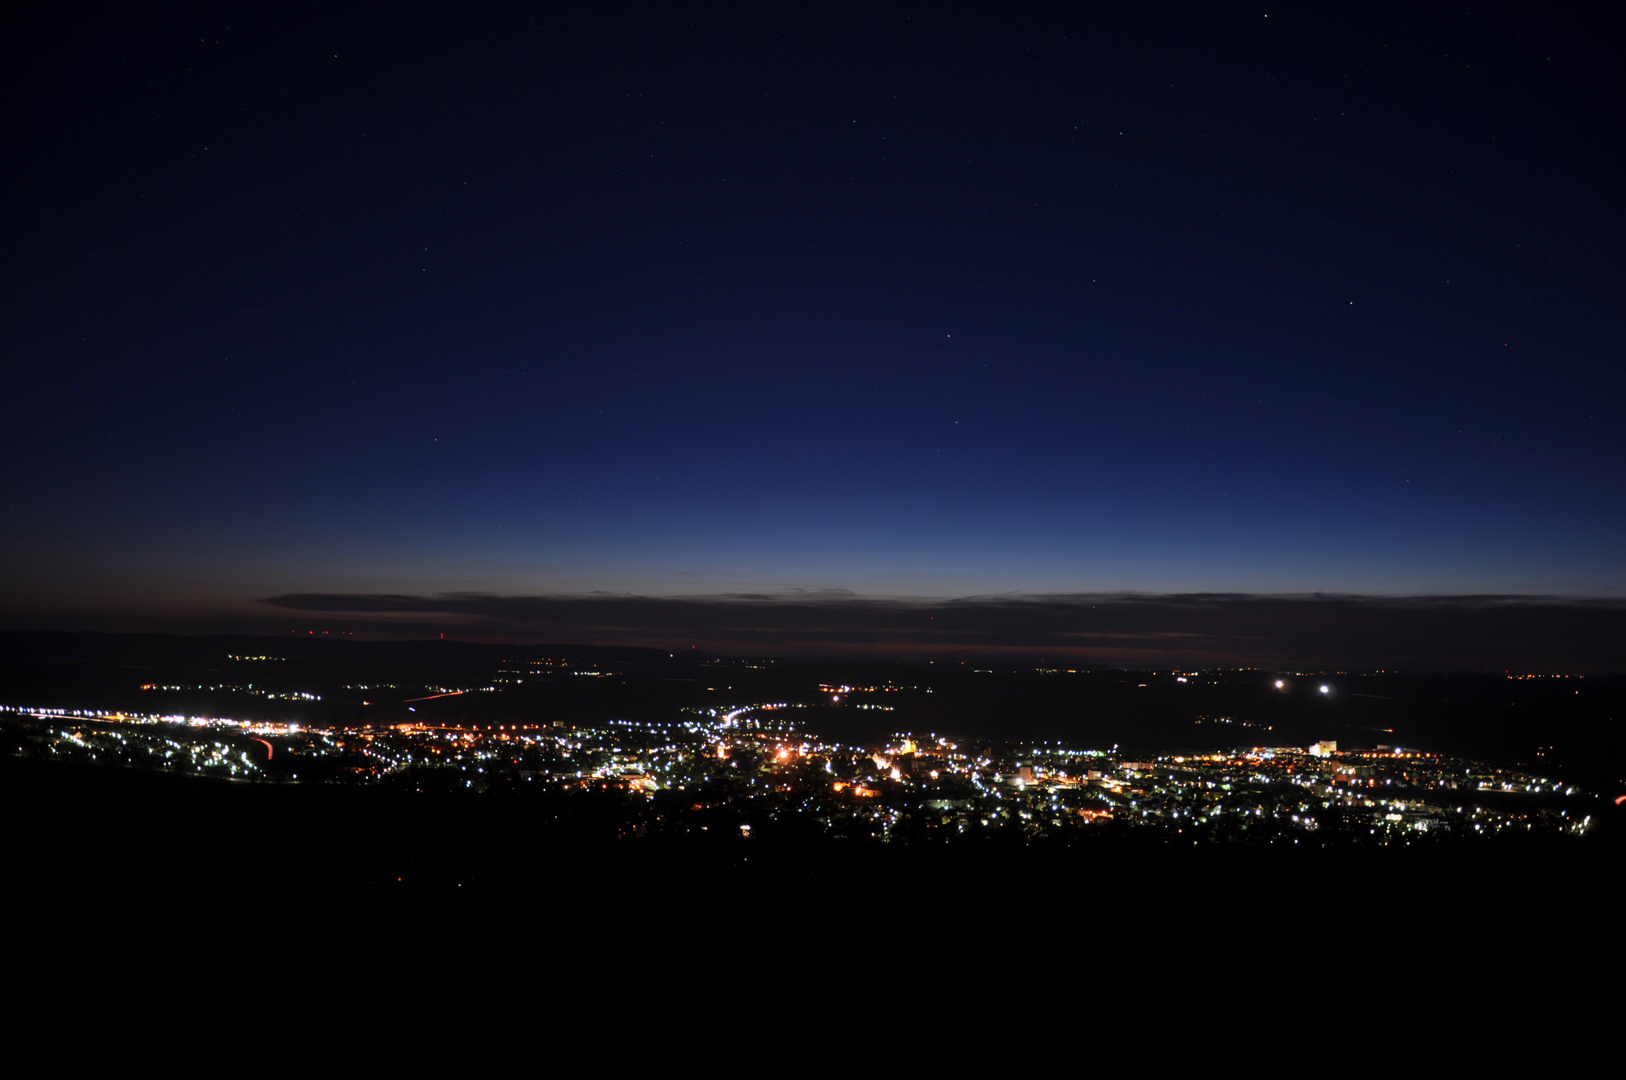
(747, 771)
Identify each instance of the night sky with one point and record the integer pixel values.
(310, 302)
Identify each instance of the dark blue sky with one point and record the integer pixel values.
(923, 300)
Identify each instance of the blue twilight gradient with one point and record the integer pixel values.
(941, 307)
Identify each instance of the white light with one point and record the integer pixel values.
(1325, 689)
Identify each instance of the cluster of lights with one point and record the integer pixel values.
(1032, 786)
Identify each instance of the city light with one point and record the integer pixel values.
(751, 761)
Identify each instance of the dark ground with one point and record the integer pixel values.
(82, 837)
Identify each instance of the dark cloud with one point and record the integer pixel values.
(1345, 632)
